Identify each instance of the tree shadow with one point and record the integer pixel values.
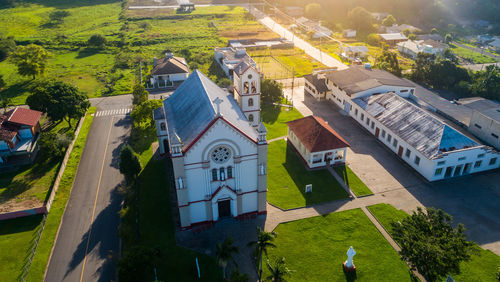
(17, 89)
(270, 113)
(100, 239)
(87, 52)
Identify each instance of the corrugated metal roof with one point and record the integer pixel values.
(190, 109)
(420, 129)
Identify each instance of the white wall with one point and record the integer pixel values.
(197, 212)
(485, 128)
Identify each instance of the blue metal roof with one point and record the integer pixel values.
(190, 109)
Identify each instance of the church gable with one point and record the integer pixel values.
(221, 131)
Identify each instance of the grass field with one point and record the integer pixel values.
(283, 63)
(352, 180)
(471, 55)
(315, 249)
(30, 182)
(275, 119)
(287, 177)
(41, 258)
(481, 267)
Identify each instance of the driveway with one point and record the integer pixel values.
(473, 200)
(87, 244)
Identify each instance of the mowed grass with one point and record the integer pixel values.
(16, 237)
(315, 249)
(157, 231)
(287, 178)
(471, 55)
(32, 182)
(275, 119)
(481, 267)
(41, 258)
(352, 180)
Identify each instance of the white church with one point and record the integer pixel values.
(218, 147)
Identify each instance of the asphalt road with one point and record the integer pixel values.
(87, 244)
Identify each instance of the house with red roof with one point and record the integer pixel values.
(316, 142)
(19, 130)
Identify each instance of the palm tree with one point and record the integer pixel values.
(278, 271)
(264, 241)
(224, 254)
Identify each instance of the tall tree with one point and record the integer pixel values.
(271, 91)
(59, 100)
(388, 61)
(31, 60)
(7, 45)
(389, 20)
(139, 94)
(361, 20)
(487, 83)
(430, 244)
(97, 40)
(313, 11)
(263, 243)
(279, 271)
(224, 254)
(129, 163)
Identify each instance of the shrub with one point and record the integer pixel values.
(96, 40)
(373, 39)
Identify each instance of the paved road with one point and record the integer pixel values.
(478, 67)
(312, 51)
(87, 244)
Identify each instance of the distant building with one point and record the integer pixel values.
(395, 28)
(352, 53)
(485, 120)
(276, 43)
(315, 85)
(393, 38)
(310, 25)
(349, 33)
(169, 71)
(19, 130)
(482, 24)
(316, 142)
(294, 11)
(435, 37)
(495, 44)
(228, 58)
(413, 48)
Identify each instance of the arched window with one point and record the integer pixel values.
(250, 118)
(214, 174)
(245, 87)
(162, 126)
(250, 102)
(229, 172)
(254, 87)
(222, 174)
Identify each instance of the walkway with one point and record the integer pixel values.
(312, 51)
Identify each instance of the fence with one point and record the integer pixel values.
(32, 251)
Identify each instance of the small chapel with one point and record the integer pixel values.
(218, 147)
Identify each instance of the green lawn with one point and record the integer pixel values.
(315, 249)
(287, 178)
(16, 236)
(468, 54)
(41, 258)
(352, 180)
(32, 182)
(482, 267)
(275, 119)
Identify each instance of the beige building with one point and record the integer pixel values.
(316, 142)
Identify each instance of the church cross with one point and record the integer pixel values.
(218, 101)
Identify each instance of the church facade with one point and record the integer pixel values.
(218, 148)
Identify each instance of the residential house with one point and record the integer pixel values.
(349, 33)
(219, 156)
(353, 53)
(228, 58)
(432, 36)
(395, 28)
(19, 130)
(316, 142)
(413, 48)
(315, 85)
(495, 44)
(310, 25)
(392, 38)
(169, 71)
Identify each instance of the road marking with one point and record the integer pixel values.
(95, 201)
(113, 112)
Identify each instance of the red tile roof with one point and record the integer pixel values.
(316, 134)
(24, 116)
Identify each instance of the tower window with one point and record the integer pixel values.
(222, 174)
(229, 172)
(214, 174)
(162, 126)
(254, 87)
(250, 118)
(250, 102)
(245, 87)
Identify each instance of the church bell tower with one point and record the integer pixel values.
(246, 85)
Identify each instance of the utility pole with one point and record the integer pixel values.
(140, 70)
(293, 82)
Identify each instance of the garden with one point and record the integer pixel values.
(288, 176)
